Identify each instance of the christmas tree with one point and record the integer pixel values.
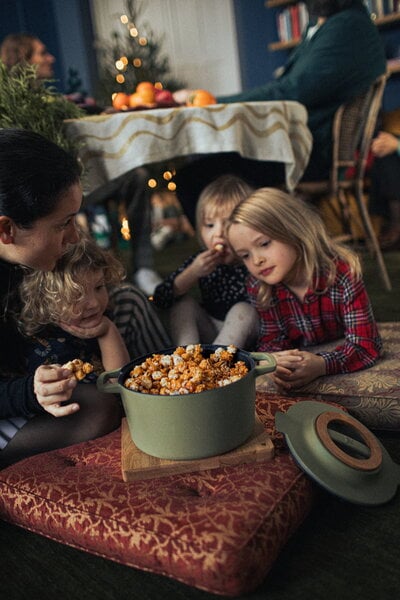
(131, 57)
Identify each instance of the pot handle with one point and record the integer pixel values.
(265, 368)
(109, 388)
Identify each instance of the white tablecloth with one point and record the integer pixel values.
(270, 131)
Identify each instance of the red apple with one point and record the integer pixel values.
(164, 97)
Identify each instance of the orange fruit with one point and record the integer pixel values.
(135, 100)
(201, 98)
(147, 91)
(144, 85)
(120, 101)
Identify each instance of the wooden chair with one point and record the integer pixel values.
(353, 130)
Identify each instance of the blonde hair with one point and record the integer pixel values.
(50, 296)
(289, 220)
(220, 196)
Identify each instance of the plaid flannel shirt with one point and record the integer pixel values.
(341, 311)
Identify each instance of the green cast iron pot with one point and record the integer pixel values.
(191, 426)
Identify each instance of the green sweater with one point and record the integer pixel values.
(341, 60)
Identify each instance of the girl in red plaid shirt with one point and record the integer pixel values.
(307, 288)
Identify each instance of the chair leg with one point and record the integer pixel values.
(346, 218)
(371, 237)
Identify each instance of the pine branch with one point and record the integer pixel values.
(29, 103)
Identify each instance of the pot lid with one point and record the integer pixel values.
(339, 453)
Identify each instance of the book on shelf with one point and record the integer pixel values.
(291, 22)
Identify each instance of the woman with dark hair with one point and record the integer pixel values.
(339, 57)
(40, 196)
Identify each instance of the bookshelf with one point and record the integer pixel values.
(383, 13)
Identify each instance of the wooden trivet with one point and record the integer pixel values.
(139, 465)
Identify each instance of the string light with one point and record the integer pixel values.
(124, 19)
(152, 183)
(167, 175)
(120, 65)
(120, 78)
(171, 186)
(137, 62)
(125, 231)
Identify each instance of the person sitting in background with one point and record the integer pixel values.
(385, 187)
(340, 55)
(129, 189)
(25, 48)
(223, 315)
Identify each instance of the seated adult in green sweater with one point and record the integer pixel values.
(340, 56)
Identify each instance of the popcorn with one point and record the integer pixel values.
(79, 368)
(186, 371)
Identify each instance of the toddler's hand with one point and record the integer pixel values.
(86, 333)
(205, 263)
(53, 386)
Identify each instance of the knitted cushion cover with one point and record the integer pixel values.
(218, 530)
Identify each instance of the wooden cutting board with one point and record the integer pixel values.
(139, 465)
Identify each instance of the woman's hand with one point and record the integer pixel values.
(86, 333)
(295, 368)
(384, 144)
(53, 387)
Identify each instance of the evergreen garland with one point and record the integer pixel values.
(29, 103)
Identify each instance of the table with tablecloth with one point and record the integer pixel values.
(270, 131)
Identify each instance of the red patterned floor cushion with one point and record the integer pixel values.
(218, 530)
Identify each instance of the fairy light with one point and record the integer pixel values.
(167, 175)
(124, 19)
(120, 65)
(133, 32)
(152, 183)
(158, 85)
(137, 62)
(171, 186)
(120, 78)
(143, 41)
(125, 231)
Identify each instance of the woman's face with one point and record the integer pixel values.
(43, 244)
(43, 59)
